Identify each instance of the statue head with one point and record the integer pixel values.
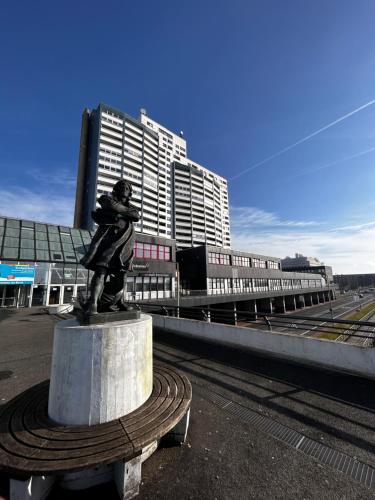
(122, 190)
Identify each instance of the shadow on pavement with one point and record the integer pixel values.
(6, 313)
(352, 391)
(5, 374)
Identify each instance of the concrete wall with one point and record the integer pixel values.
(324, 353)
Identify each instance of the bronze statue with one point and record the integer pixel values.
(110, 254)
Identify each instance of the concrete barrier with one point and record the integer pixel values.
(318, 352)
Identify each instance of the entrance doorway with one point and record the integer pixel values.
(14, 295)
(68, 294)
(39, 295)
(54, 295)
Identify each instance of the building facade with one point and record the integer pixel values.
(177, 198)
(228, 279)
(324, 271)
(222, 271)
(39, 265)
(201, 212)
(300, 260)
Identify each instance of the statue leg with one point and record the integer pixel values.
(97, 287)
(118, 281)
(112, 292)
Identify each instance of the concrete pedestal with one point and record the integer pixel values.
(100, 372)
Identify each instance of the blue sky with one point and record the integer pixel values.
(243, 79)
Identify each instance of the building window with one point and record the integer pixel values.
(287, 284)
(259, 263)
(304, 283)
(296, 284)
(147, 251)
(273, 265)
(219, 258)
(260, 285)
(217, 286)
(274, 284)
(238, 260)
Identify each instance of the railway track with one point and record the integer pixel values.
(365, 338)
(314, 331)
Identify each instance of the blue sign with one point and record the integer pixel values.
(17, 274)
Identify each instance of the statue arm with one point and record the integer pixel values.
(129, 213)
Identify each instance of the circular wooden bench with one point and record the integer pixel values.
(31, 444)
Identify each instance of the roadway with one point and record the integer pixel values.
(340, 307)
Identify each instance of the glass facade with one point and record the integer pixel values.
(31, 241)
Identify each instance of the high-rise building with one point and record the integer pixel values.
(200, 206)
(177, 198)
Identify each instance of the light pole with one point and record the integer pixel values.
(329, 295)
(178, 288)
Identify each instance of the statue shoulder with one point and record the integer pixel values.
(105, 200)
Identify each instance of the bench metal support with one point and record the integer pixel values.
(179, 432)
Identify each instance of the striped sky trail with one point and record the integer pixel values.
(304, 139)
(332, 164)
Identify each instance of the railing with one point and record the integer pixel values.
(238, 290)
(362, 331)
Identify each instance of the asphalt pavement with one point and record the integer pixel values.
(225, 457)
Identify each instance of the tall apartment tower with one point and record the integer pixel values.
(177, 198)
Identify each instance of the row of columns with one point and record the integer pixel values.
(272, 305)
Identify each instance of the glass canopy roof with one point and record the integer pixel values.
(33, 241)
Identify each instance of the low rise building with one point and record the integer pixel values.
(39, 265)
(213, 275)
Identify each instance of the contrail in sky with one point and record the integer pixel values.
(304, 139)
(332, 164)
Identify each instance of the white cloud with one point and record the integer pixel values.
(348, 249)
(245, 217)
(59, 177)
(44, 207)
(356, 227)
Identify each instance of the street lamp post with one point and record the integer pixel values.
(178, 289)
(329, 295)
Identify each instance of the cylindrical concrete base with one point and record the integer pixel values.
(100, 372)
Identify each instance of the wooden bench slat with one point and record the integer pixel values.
(49, 467)
(157, 418)
(142, 418)
(31, 443)
(163, 428)
(40, 451)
